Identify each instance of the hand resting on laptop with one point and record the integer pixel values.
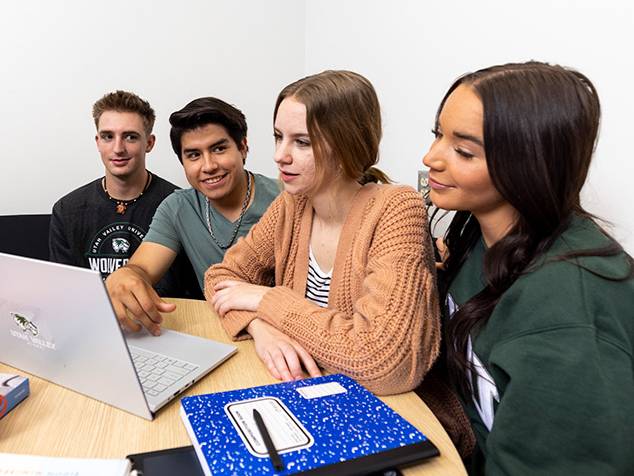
(132, 295)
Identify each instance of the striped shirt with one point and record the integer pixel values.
(317, 282)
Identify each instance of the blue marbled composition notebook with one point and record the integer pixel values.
(325, 425)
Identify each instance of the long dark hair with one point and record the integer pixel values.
(540, 128)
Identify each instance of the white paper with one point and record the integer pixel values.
(321, 390)
(28, 465)
(287, 433)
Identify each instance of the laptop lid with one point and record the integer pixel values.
(56, 322)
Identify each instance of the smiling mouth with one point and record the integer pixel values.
(438, 185)
(213, 180)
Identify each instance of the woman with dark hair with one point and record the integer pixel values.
(539, 300)
(338, 273)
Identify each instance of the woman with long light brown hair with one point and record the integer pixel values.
(339, 272)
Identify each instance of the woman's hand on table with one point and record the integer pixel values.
(237, 296)
(284, 357)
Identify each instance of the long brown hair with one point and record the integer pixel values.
(343, 118)
(540, 128)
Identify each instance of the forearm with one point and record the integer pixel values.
(140, 272)
(234, 321)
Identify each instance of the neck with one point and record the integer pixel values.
(496, 224)
(126, 188)
(331, 206)
(231, 204)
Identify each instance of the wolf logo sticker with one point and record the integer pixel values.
(120, 245)
(25, 324)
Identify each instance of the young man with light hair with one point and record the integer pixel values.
(101, 224)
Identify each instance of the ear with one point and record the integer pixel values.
(244, 149)
(151, 140)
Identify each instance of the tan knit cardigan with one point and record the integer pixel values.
(381, 326)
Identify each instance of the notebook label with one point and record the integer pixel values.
(321, 390)
(287, 433)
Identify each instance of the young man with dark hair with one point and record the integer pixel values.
(209, 137)
(101, 224)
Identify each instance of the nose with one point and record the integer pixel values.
(433, 158)
(282, 154)
(209, 163)
(119, 145)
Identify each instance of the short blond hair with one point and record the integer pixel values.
(124, 101)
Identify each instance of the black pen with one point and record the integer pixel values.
(268, 442)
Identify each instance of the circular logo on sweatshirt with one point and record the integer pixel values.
(112, 246)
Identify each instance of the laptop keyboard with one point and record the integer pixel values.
(157, 371)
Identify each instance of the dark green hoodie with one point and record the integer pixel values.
(555, 391)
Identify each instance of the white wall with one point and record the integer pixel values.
(58, 57)
(413, 50)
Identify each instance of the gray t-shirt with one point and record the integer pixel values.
(180, 224)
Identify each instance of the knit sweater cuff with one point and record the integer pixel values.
(236, 322)
(275, 304)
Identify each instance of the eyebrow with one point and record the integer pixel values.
(108, 131)
(294, 135)
(469, 137)
(222, 141)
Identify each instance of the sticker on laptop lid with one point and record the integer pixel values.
(321, 390)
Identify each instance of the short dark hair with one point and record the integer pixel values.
(203, 111)
(124, 101)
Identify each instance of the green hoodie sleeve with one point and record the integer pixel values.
(567, 405)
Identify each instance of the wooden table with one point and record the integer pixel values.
(54, 421)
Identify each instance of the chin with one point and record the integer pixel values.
(294, 189)
(443, 204)
(214, 196)
(120, 174)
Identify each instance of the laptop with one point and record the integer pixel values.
(57, 322)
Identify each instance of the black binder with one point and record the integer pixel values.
(183, 460)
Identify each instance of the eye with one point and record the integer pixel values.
(277, 136)
(464, 153)
(131, 137)
(191, 155)
(105, 136)
(303, 142)
(219, 149)
(436, 132)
